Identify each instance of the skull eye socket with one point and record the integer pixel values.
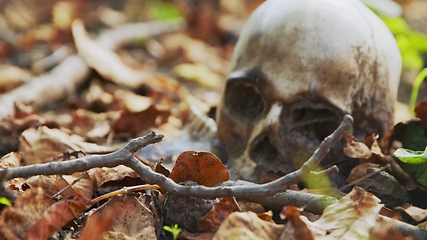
(316, 122)
(262, 149)
(244, 101)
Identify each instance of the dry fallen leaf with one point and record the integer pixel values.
(97, 224)
(131, 217)
(56, 216)
(247, 225)
(28, 208)
(103, 175)
(198, 73)
(133, 123)
(360, 171)
(104, 61)
(204, 168)
(43, 144)
(387, 230)
(352, 217)
(11, 160)
(296, 228)
(213, 219)
(416, 213)
(357, 150)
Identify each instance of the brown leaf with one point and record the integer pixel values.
(103, 175)
(27, 209)
(247, 225)
(387, 230)
(89, 124)
(204, 168)
(43, 144)
(297, 227)
(97, 224)
(133, 123)
(220, 211)
(56, 216)
(51, 184)
(130, 217)
(11, 160)
(23, 118)
(107, 63)
(357, 150)
(54, 183)
(360, 171)
(352, 217)
(416, 213)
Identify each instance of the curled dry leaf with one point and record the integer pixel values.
(107, 63)
(352, 217)
(416, 213)
(97, 224)
(204, 168)
(56, 216)
(387, 230)
(43, 144)
(130, 217)
(247, 225)
(54, 183)
(133, 123)
(220, 211)
(91, 125)
(357, 150)
(296, 228)
(26, 211)
(10, 160)
(23, 118)
(103, 175)
(360, 171)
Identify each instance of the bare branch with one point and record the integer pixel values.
(82, 164)
(273, 194)
(249, 189)
(125, 156)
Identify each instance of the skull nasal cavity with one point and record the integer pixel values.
(244, 101)
(262, 149)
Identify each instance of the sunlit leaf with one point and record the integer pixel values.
(409, 156)
(5, 201)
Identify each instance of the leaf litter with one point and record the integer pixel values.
(163, 85)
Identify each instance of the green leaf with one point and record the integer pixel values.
(414, 163)
(409, 156)
(5, 201)
(422, 177)
(175, 230)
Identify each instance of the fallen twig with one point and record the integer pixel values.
(273, 194)
(125, 157)
(119, 157)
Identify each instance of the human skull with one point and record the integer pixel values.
(297, 68)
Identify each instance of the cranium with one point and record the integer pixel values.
(297, 68)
